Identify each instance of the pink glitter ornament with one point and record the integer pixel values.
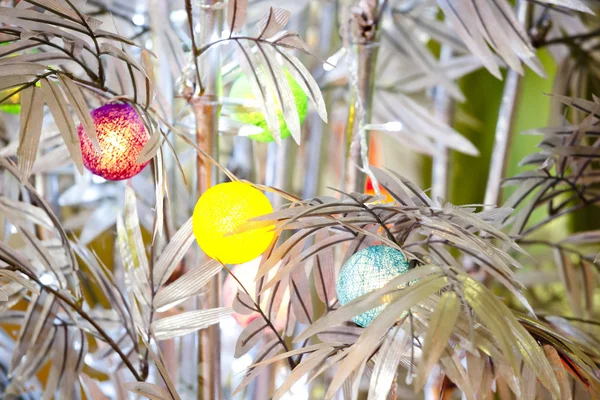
(122, 136)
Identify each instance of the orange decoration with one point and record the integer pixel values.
(374, 159)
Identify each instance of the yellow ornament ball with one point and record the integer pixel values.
(220, 211)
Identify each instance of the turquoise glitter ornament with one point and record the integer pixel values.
(368, 270)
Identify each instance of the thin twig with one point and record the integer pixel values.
(291, 362)
(560, 214)
(40, 40)
(83, 315)
(569, 40)
(101, 76)
(555, 245)
(188, 10)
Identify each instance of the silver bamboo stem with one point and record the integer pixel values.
(444, 110)
(364, 48)
(280, 166)
(502, 139)
(506, 117)
(207, 109)
(359, 114)
(317, 138)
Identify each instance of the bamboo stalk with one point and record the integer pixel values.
(504, 125)
(359, 114)
(280, 167)
(207, 110)
(209, 341)
(444, 110)
(316, 145)
(364, 48)
(180, 365)
(502, 138)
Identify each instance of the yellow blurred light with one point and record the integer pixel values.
(220, 211)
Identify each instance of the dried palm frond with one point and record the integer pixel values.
(443, 316)
(263, 65)
(563, 182)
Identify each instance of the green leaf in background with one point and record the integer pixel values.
(533, 112)
(476, 120)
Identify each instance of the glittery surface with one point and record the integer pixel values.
(365, 271)
(220, 211)
(122, 136)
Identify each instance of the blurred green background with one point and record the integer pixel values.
(476, 119)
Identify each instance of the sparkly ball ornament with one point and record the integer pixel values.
(242, 89)
(366, 271)
(220, 211)
(122, 136)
